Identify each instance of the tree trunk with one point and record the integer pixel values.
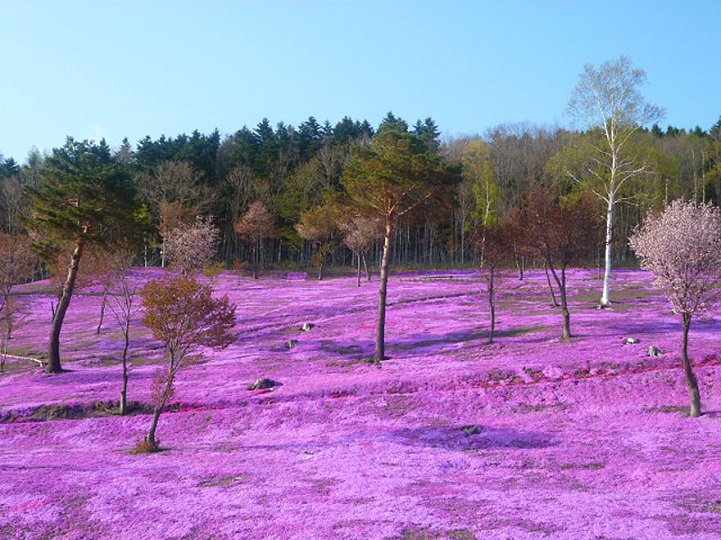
(162, 254)
(365, 265)
(255, 262)
(124, 389)
(492, 303)
(54, 365)
(561, 282)
(550, 285)
(102, 312)
(150, 437)
(321, 262)
(691, 381)
(564, 306)
(382, 293)
(606, 295)
(359, 267)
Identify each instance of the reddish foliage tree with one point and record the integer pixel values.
(256, 225)
(17, 265)
(682, 247)
(183, 315)
(563, 233)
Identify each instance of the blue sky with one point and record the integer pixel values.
(111, 68)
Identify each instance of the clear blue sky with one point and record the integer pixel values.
(105, 68)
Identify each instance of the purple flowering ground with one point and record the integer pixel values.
(577, 440)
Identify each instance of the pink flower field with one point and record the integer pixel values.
(451, 438)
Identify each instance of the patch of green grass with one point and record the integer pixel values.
(584, 466)
(668, 409)
(629, 293)
(529, 407)
(222, 481)
(425, 533)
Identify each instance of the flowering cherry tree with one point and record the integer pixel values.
(191, 247)
(682, 247)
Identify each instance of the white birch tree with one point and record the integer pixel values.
(608, 98)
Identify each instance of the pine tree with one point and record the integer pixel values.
(85, 198)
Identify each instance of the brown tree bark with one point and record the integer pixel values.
(54, 365)
(564, 306)
(124, 389)
(102, 312)
(382, 293)
(255, 262)
(492, 302)
(550, 285)
(691, 381)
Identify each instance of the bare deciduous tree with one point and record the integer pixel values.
(562, 233)
(360, 235)
(123, 290)
(320, 225)
(682, 247)
(17, 265)
(174, 181)
(256, 225)
(496, 244)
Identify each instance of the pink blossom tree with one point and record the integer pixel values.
(189, 248)
(682, 247)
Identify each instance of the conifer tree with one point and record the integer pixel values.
(85, 198)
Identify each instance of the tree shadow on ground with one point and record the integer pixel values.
(472, 437)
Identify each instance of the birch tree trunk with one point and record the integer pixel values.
(606, 295)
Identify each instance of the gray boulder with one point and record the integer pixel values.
(263, 384)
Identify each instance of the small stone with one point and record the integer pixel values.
(654, 351)
(525, 376)
(263, 384)
(307, 327)
(292, 344)
(553, 372)
(631, 341)
(471, 430)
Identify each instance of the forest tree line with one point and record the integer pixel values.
(292, 170)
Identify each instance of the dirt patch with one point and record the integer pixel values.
(64, 411)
